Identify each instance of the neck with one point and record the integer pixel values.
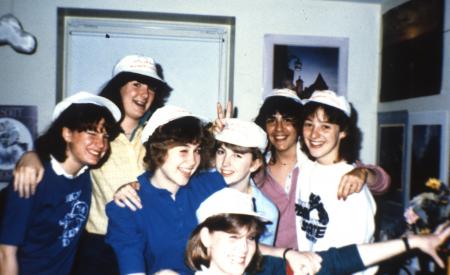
(71, 167)
(128, 125)
(285, 158)
(242, 186)
(159, 180)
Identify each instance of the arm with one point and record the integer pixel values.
(27, 174)
(127, 196)
(8, 260)
(376, 178)
(429, 244)
(300, 262)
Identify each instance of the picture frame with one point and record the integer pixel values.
(307, 62)
(428, 148)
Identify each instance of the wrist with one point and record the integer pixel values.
(285, 253)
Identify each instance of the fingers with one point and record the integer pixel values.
(25, 180)
(220, 114)
(127, 196)
(349, 184)
(229, 110)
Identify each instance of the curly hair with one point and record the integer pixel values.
(111, 90)
(77, 117)
(180, 131)
(286, 107)
(196, 253)
(350, 145)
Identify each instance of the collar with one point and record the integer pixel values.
(59, 170)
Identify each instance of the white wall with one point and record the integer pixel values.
(31, 79)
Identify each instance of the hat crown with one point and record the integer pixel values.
(138, 64)
(243, 133)
(285, 93)
(330, 98)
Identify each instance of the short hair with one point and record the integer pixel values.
(256, 153)
(350, 145)
(174, 133)
(111, 90)
(196, 252)
(287, 107)
(77, 117)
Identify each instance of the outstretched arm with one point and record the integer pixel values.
(27, 174)
(429, 244)
(8, 260)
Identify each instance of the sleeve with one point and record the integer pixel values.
(16, 216)
(340, 261)
(126, 239)
(382, 182)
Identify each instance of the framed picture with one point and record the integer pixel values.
(412, 50)
(305, 63)
(428, 149)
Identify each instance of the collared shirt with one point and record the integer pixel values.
(124, 165)
(59, 170)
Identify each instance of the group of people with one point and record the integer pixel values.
(223, 197)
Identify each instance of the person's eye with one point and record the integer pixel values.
(326, 126)
(239, 156)
(307, 124)
(198, 150)
(270, 120)
(220, 151)
(289, 120)
(251, 238)
(91, 132)
(137, 84)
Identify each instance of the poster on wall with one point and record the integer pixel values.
(18, 129)
(305, 63)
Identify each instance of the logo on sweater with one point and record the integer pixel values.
(73, 221)
(314, 217)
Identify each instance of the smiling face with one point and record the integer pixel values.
(230, 253)
(235, 167)
(84, 147)
(281, 132)
(136, 98)
(180, 163)
(322, 138)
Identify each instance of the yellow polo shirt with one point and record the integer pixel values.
(124, 165)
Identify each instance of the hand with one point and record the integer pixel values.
(303, 263)
(219, 123)
(352, 182)
(126, 196)
(27, 174)
(431, 242)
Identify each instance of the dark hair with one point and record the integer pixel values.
(196, 252)
(287, 107)
(112, 90)
(256, 153)
(350, 145)
(178, 132)
(77, 117)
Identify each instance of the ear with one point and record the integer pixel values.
(255, 165)
(66, 134)
(205, 237)
(342, 135)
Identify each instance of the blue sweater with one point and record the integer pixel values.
(46, 227)
(155, 237)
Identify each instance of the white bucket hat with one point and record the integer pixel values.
(227, 201)
(330, 98)
(243, 133)
(285, 93)
(138, 64)
(86, 97)
(162, 116)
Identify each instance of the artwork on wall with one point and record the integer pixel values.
(305, 63)
(412, 50)
(428, 147)
(18, 129)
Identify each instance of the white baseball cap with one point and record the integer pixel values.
(330, 98)
(286, 93)
(86, 97)
(228, 201)
(162, 116)
(138, 64)
(243, 133)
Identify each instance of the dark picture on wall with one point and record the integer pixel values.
(425, 156)
(305, 63)
(412, 50)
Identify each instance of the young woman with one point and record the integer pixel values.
(137, 88)
(280, 117)
(238, 155)
(225, 242)
(332, 140)
(39, 235)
